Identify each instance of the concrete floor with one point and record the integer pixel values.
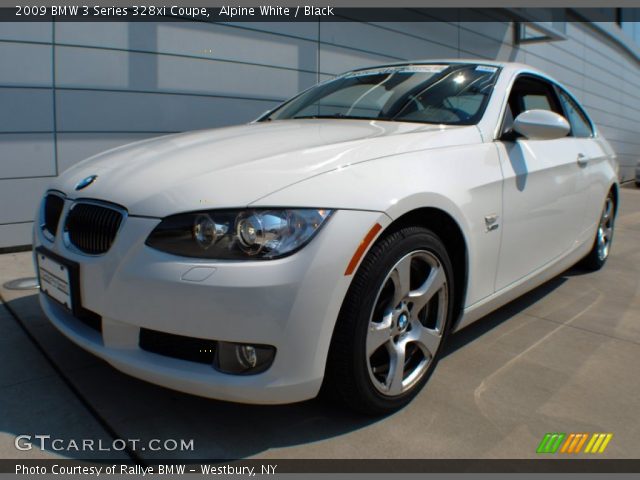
(563, 358)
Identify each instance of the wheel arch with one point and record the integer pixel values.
(451, 234)
(616, 197)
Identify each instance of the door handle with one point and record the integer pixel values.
(583, 160)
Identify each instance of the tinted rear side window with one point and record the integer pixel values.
(580, 125)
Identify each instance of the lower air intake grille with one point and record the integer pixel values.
(90, 319)
(92, 228)
(178, 346)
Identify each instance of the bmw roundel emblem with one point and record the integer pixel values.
(85, 182)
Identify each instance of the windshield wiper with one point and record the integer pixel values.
(342, 116)
(337, 115)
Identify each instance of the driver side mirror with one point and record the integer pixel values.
(541, 125)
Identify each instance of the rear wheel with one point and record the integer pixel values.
(392, 324)
(598, 255)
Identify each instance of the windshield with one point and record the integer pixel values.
(443, 94)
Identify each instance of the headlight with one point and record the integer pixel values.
(238, 234)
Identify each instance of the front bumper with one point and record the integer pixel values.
(290, 303)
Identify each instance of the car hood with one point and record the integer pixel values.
(235, 166)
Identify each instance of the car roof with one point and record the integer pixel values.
(470, 61)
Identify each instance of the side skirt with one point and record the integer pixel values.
(511, 292)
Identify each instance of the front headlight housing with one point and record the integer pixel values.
(258, 234)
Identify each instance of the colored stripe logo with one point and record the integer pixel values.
(550, 443)
(574, 443)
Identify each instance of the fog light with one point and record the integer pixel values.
(247, 355)
(243, 359)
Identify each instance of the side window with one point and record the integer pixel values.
(580, 125)
(532, 101)
(530, 93)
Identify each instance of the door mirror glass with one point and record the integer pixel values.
(541, 125)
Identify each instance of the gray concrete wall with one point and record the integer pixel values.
(69, 90)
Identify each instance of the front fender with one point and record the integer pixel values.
(463, 181)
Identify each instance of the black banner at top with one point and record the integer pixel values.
(300, 13)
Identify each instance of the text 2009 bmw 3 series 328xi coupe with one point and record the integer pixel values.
(334, 243)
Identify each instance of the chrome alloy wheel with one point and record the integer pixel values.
(605, 229)
(407, 322)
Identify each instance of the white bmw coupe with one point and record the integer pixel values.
(332, 244)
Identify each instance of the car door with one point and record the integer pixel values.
(592, 176)
(543, 204)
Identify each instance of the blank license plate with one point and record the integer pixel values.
(55, 280)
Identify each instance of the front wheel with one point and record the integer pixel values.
(393, 323)
(599, 253)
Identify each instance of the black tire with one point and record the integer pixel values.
(348, 373)
(595, 260)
